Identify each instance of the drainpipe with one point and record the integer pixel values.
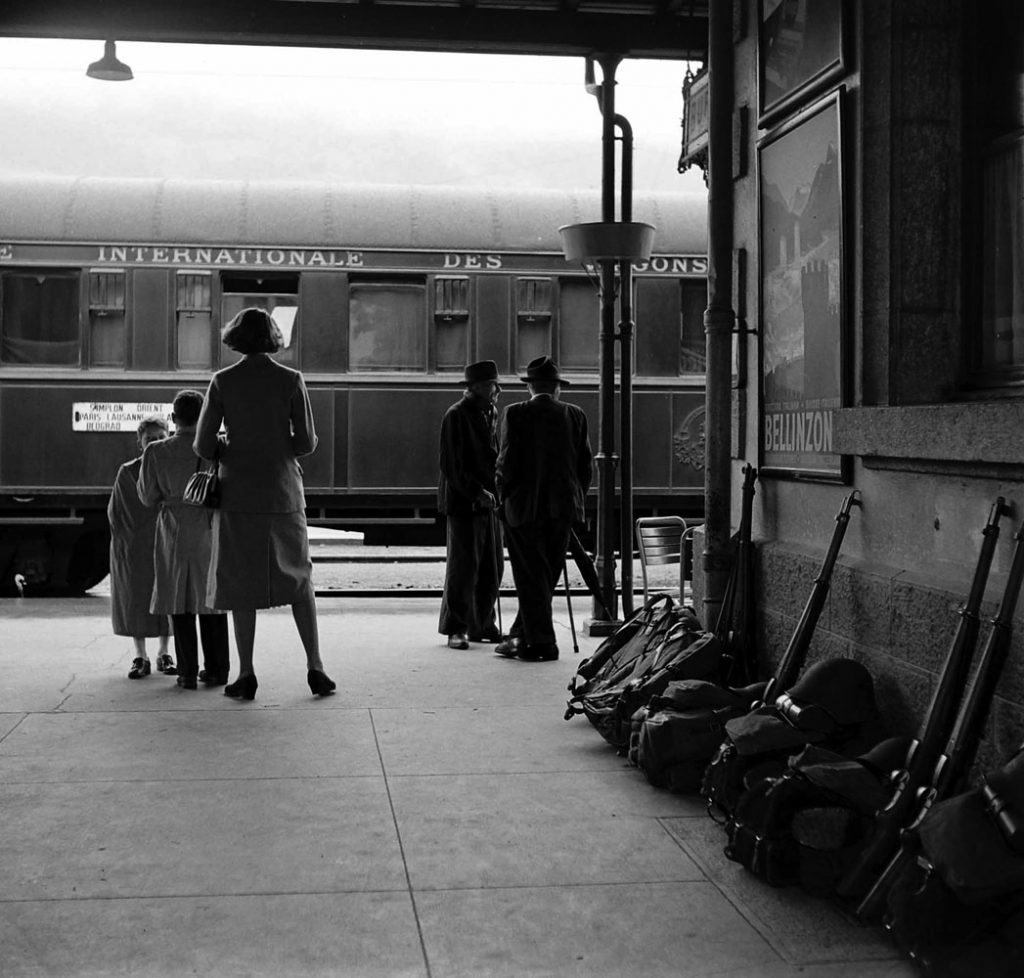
(626, 325)
(719, 318)
(606, 458)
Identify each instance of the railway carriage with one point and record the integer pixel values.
(113, 293)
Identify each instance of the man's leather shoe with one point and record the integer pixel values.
(510, 648)
(539, 653)
(458, 641)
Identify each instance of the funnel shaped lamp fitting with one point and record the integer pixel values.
(108, 68)
(620, 240)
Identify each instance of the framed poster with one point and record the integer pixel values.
(800, 52)
(801, 294)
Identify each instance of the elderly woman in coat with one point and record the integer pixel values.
(181, 557)
(260, 543)
(132, 530)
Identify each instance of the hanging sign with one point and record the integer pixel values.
(115, 415)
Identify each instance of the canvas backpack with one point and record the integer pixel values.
(675, 735)
(622, 675)
(832, 705)
(958, 908)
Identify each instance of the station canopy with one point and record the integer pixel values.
(671, 29)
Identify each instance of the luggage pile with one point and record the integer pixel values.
(810, 790)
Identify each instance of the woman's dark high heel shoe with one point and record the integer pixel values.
(320, 683)
(243, 688)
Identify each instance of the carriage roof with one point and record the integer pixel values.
(323, 215)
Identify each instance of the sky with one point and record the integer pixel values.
(359, 116)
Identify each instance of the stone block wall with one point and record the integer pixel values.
(899, 627)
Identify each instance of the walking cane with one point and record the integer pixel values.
(568, 604)
(496, 540)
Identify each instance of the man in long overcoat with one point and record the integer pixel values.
(466, 495)
(543, 474)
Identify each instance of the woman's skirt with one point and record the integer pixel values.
(259, 560)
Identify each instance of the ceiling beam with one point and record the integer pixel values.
(468, 27)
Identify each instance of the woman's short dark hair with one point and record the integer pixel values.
(187, 405)
(252, 331)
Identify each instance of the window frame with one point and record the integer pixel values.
(79, 282)
(180, 277)
(994, 119)
(402, 283)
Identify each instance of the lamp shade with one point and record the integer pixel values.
(108, 68)
(607, 239)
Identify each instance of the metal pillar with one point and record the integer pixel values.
(606, 457)
(626, 374)
(719, 318)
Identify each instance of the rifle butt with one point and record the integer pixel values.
(881, 848)
(871, 908)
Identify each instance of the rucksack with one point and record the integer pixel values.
(958, 907)
(675, 735)
(796, 827)
(832, 705)
(621, 676)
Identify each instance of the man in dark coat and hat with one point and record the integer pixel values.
(543, 474)
(466, 495)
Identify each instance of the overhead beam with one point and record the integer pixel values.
(469, 27)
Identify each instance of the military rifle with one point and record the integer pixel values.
(736, 630)
(724, 778)
(953, 766)
(796, 652)
(923, 755)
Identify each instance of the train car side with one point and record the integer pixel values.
(107, 310)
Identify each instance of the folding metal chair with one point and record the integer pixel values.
(661, 540)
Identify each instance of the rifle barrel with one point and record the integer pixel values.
(796, 651)
(884, 839)
(953, 765)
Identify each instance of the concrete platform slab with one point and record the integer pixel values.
(179, 838)
(362, 935)
(455, 852)
(667, 929)
(504, 739)
(437, 817)
(573, 794)
(216, 743)
(804, 930)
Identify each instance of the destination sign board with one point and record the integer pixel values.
(116, 415)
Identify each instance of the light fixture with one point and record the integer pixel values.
(615, 240)
(108, 68)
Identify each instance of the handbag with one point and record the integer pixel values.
(203, 486)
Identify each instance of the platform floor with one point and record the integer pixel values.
(436, 818)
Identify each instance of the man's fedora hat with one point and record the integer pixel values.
(543, 368)
(480, 371)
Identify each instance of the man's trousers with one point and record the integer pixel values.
(537, 552)
(475, 564)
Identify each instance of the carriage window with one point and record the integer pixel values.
(278, 294)
(194, 320)
(533, 319)
(106, 319)
(669, 326)
(693, 346)
(387, 326)
(996, 127)
(1002, 306)
(579, 324)
(39, 323)
(451, 321)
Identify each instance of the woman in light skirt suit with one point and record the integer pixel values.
(181, 555)
(260, 553)
(132, 530)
